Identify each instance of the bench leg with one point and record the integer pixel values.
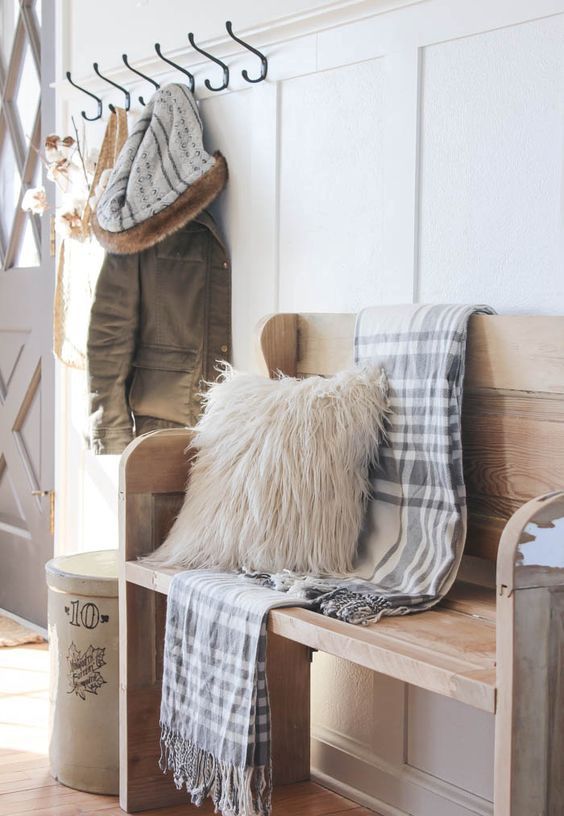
(142, 785)
(530, 706)
(288, 672)
(142, 623)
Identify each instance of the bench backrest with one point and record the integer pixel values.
(513, 414)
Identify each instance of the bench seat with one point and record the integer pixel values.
(449, 649)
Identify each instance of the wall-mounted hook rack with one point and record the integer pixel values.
(190, 76)
(209, 56)
(98, 100)
(263, 59)
(119, 87)
(191, 80)
(143, 76)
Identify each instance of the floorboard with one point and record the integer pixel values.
(27, 789)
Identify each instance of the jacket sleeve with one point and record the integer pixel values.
(111, 344)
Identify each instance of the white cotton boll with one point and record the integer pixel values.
(59, 174)
(51, 150)
(57, 148)
(68, 224)
(68, 176)
(35, 200)
(67, 147)
(53, 155)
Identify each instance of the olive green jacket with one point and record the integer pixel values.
(160, 320)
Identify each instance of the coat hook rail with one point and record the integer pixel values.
(225, 68)
(98, 100)
(191, 80)
(263, 59)
(119, 87)
(143, 76)
(190, 76)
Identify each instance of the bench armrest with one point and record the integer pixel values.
(154, 470)
(531, 548)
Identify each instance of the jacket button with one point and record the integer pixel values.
(224, 349)
(226, 264)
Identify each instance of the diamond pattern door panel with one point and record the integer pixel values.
(26, 293)
(11, 346)
(12, 518)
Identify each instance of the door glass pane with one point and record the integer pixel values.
(29, 249)
(37, 8)
(27, 97)
(27, 254)
(9, 185)
(37, 170)
(19, 111)
(9, 10)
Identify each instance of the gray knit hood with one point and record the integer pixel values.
(162, 178)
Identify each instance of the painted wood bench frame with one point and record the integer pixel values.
(500, 651)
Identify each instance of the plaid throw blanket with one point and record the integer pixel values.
(415, 529)
(215, 714)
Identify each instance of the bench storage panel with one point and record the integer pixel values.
(477, 647)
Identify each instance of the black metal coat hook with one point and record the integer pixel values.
(98, 100)
(225, 68)
(143, 76)
(263, 59)
(111, 82)
(178, 67)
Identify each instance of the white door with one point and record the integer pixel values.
(26, 295)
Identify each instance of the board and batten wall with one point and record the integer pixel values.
(399, 151)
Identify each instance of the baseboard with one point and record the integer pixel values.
(33, 626)
(349, 768)
(379, 807)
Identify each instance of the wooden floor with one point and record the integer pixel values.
(27, 788)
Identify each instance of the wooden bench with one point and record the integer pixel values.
(499, 650)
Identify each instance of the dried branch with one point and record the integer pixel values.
(80, 153)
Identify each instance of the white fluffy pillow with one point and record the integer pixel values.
(280, 479)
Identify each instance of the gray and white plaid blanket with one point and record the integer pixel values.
(416, 525)
(215, 713)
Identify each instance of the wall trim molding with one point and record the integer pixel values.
(353, 753)
(282, 29)
(354, 748)
(355, 795)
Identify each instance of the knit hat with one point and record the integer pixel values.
(162, 178)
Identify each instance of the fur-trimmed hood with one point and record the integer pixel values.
(163, 177)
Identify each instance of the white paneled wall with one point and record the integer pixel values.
(331, 192)
(399, 150)
(443, 753)
(492, 140)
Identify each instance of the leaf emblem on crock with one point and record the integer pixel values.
(84, 675)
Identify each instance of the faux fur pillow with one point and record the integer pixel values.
(281, 475)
